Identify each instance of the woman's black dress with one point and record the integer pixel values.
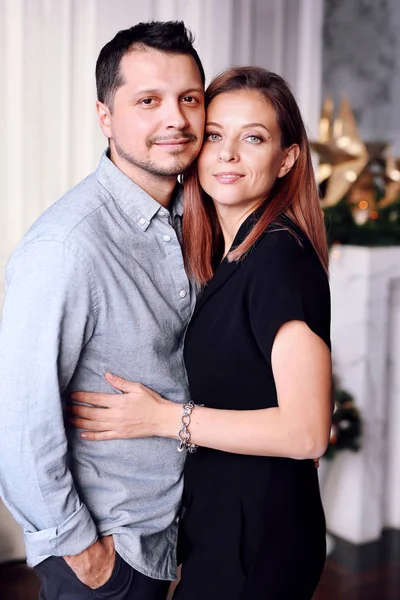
(253, 527)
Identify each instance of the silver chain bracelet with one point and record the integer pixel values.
(184, 433)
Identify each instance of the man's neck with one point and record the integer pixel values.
(158, 187)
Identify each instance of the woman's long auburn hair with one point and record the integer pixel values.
(294, 195)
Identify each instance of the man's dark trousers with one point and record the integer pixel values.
(59, 582)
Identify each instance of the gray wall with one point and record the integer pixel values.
(361, 58)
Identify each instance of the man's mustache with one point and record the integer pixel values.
(179, 136)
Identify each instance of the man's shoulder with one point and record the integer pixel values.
(76, 206)
(65, 220)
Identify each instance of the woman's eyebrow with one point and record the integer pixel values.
(246, 126)
(256, 125)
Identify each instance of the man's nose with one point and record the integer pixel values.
(175, 117)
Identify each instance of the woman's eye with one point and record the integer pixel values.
(213, 137)
(254, 139)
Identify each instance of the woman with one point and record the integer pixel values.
(257, 354)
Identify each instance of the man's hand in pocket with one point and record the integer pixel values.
(94, 565)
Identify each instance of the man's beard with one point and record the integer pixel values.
(179, 165)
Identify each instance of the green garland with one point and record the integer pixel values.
(383, 231)
(346, 427)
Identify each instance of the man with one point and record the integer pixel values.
(98, 284)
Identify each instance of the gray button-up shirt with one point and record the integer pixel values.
(97, 284)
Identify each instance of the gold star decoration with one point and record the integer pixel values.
(392, 172)
(344, 157)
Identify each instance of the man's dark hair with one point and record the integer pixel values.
(169, 36)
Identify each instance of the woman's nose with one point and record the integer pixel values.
(227, 153)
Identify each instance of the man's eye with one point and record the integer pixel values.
(147, 101)
(213, 137)
(190, 100)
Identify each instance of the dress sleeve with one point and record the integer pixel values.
(276, 289)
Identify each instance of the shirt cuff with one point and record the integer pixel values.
(74, 535)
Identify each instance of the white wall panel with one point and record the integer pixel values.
(309, 62)
(3, 166)
(243, 32)
(12, 152)
(86, 141)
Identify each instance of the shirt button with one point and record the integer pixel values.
(182, 293)
(142, 221)
(166, 238)
(161, 213)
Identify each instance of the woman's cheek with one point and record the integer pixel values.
(204, 166)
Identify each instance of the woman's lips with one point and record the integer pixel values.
(229, 177)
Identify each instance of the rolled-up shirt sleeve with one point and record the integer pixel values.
(48, 316)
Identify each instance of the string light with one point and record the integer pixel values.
(351, 176)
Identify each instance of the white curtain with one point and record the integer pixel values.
(48, 50)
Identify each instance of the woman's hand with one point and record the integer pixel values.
(137, 413)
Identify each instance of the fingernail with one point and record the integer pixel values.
(73, 396)
(84, 436)
(110, 375)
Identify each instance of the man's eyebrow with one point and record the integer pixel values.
(147, 92)
(158, 91)
(195, 89)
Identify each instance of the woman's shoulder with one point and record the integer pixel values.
(282, 242)
(284, 251)
(286, 274)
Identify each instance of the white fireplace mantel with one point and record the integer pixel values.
(362, 491)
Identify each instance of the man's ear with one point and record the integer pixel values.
(290, 156)
(104, 118)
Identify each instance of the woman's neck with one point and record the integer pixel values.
(230, 219)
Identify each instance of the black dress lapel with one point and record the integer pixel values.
(225, 270)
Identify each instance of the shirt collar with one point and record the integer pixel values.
(137, 204)
(177, 201)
